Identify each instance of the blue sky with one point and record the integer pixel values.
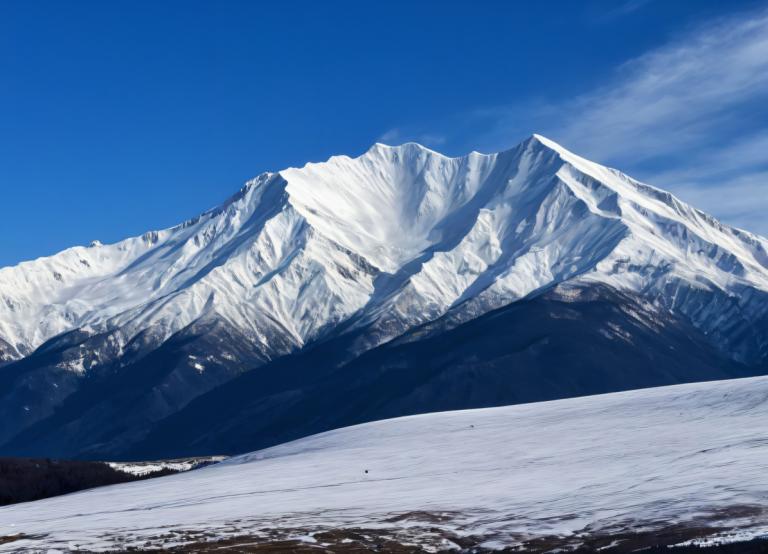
(119, 117)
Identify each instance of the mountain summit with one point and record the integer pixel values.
(397, 282)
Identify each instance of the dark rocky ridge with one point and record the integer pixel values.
(553, 345)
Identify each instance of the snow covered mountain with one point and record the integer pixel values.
(308, 272)
(617, 472)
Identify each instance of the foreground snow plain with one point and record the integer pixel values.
(688, 457)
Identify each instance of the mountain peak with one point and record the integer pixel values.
(416, 146)
(549, 143)
(566, 155)
(410, 147)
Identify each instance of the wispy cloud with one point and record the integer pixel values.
(691, 116)
(740, 200)
(399, 136)
(620, 9)
(678, 94)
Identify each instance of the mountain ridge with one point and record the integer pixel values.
(294, 190)
(359, 252)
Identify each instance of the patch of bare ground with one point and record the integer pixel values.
(422, 516)
(366, 541)
(615, 542)
(341, 541)
(11, 538)
(656, 537)
(420, 532)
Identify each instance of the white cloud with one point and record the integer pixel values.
(741, 201)
(620, 9)
(722, 162)
(392, 136)
(398, 136)
(690, 116)
(676, 96)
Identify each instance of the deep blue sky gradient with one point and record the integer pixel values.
(119, 117)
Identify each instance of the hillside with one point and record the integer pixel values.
(645, 467)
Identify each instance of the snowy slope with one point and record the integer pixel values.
(686, 460)
(393, 238)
